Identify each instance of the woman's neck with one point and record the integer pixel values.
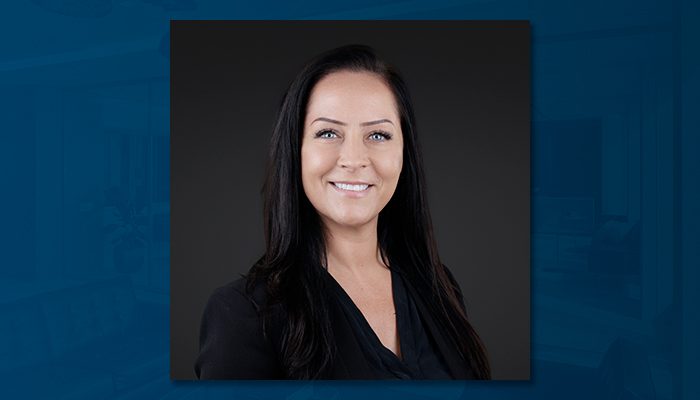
(353, 249)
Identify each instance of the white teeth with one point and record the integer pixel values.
(354, 188)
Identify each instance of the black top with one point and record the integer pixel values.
(237, 342)
(419, 360)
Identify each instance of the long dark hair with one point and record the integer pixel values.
(291, 267)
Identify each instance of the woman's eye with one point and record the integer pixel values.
(380, 136)
(326, 134)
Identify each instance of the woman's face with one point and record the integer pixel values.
(352, 148)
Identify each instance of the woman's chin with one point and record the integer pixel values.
(352, 221)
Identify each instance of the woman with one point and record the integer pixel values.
(351, 285)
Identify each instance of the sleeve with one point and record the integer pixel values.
(231, 341)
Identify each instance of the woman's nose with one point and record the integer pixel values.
(353, 154)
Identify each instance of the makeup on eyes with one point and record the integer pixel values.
(385, 135)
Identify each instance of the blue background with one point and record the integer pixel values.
(84, 172)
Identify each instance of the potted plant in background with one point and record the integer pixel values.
(125, 224)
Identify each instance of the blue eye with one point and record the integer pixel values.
(380, 136)
(326, 134)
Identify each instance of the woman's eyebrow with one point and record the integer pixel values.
(379, 121)
(334, 121)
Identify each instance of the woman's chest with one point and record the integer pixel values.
(376, 304)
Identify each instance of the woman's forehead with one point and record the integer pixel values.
(352, 97)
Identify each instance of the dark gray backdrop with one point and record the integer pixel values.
(470, 82)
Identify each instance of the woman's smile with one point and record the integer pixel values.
(352, 190)
(352, 148)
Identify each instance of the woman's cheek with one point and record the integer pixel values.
(394, 168)
(318, 158)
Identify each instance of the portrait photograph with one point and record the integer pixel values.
(350, 200)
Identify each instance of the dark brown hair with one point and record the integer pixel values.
(295, 250)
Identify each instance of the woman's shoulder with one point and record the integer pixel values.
(236, 340)
(239, 296)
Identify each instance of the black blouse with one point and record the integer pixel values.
(419, 360)
(236, 342)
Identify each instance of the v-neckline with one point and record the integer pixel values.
(363, 319)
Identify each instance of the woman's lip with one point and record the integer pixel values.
(352, 183)
(352, 193)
